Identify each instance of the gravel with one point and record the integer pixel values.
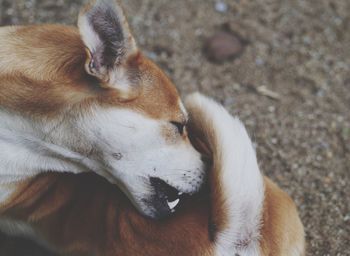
(296, 50)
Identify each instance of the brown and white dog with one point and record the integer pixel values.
(243, 213)
(90, 101)
(110, 111)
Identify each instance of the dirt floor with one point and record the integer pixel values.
(290, 86)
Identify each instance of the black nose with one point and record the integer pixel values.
(166, 198)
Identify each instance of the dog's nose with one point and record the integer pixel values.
(166, 198)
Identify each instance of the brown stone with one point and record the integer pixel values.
(223, 46)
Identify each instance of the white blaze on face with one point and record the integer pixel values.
(133, 149)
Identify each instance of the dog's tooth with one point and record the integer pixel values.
(173, 204)
(180, 193)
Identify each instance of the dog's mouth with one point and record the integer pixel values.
(166, 198)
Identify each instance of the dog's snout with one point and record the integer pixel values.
(166, 198)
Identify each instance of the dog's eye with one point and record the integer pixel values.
(179, 126)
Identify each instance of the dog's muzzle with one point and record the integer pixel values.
(166, 198)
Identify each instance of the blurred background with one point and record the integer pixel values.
(281, 66)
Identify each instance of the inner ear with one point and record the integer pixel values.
(110, 44)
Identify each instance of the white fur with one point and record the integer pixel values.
(6, 190)
(26, 149)
(89, 36)
(94, 142)
(240, 177)
(183, 109)
(119, 79)
(25, 153)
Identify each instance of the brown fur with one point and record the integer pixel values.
(44, 75)
(85, 215)
(282, 228)
(203, 138)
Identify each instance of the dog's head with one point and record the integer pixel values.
(90, 101)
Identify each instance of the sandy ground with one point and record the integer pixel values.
(299, 50)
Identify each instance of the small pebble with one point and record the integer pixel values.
(259, 61)
(152, 55)
(271, 109)
(229, 101)
(221, 7)
(236, 86)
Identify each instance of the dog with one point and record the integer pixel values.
(92, 134)
(242, 213)
(87, 100)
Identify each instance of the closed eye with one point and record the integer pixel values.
(179, 126)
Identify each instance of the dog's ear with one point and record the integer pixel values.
(106, 34)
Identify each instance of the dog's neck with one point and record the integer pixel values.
(26, 151)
